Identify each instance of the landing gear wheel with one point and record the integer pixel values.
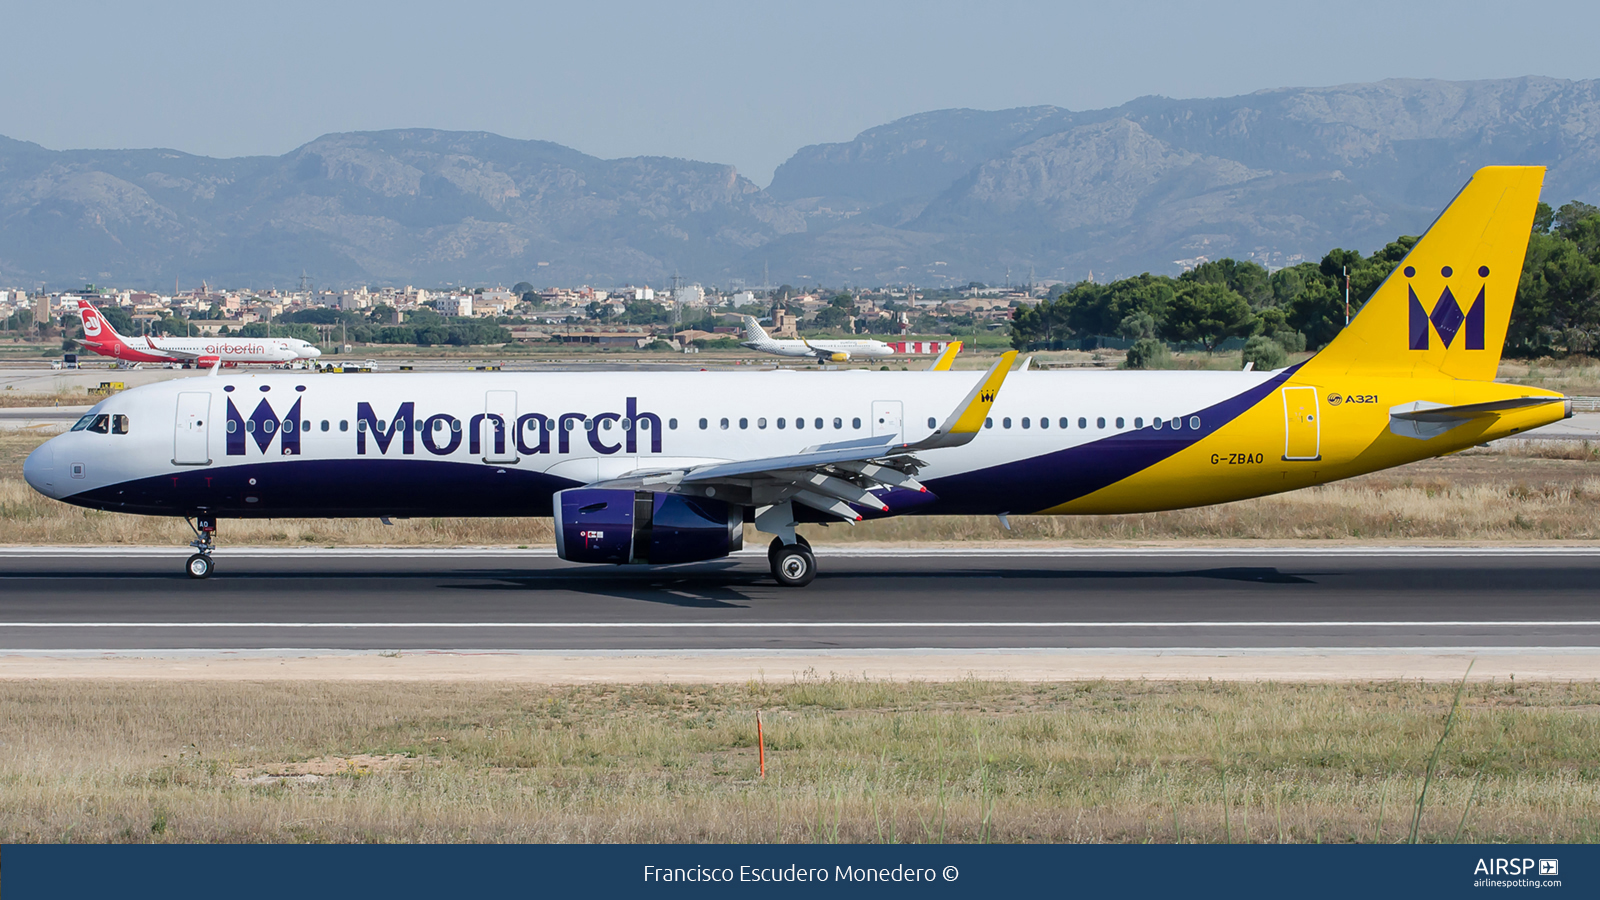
(777, 544)
(198, 566)
(794, 565)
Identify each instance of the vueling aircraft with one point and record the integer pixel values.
(656, 468)
(831, 350)
(99, 336)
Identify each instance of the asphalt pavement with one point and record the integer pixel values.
(462, 600)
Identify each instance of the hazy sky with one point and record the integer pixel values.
(741, 83)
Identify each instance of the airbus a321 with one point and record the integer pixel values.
(100, 337)
(827, 350)
(661, 468)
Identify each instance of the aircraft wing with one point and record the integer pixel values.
(947, 358)
(830, 477)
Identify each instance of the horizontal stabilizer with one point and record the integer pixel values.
(1423, 420)
(1422, 411)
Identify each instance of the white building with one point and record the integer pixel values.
(454, 305)
(743, 298)
(644, 293)
(691, 295)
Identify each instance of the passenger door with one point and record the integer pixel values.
(191, 445)
(499, 427)
(1301, 424)
(886, 418)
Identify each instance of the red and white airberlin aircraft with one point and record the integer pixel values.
(99, 336)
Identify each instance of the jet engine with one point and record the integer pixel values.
(599, 525)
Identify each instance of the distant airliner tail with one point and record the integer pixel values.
(1445, 311)
(753, 332)
(95, 326)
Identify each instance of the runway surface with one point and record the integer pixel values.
(72, 600)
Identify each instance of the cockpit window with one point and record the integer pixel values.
(83, 423)
(119, 424)
(101, 424)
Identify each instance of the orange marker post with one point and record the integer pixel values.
(761, 746)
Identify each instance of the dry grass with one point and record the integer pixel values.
(849, 761)
(1535, 491)
(20, 399)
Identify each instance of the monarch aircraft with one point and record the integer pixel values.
(666, 468)
(99, 336)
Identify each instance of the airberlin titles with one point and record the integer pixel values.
(442, 434)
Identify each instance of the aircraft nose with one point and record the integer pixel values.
(310, 353)
(39, 470)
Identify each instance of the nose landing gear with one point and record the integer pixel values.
(205, 529)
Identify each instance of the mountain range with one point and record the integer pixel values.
(937, 198)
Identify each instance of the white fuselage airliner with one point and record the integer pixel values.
(828, 350)
(668, 467)
(100, 337)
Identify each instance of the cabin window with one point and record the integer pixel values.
(588, 424)
(455, 426)
(672, 425)
(723, 424)
(324, 424)
(288, 426)
(1156, 424)
(84, 422)
(250, 427)
(932, 423)
(1083, 423)
(780, 422)
(744, 423)
(817, 423)
(988, 423)
(233, 427)
(1120, 423)
(856, 424)
(119, 424)
(1138, 422)
(1100, 422)
(800, 422)
(438, 424)
(1044, 422)
(644, 425)
(838, 423)
(306, 425)
(704, 424)
(761, 423)
(627, 424)
(1006, 422)
(1194, 423)
(1025, 422)
(344, 424)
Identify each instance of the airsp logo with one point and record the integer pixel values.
(1447, 318)
(1335, 399)
(91, 325)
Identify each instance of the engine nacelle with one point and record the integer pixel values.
(597, 525)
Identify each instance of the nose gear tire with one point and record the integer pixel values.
(198, 566)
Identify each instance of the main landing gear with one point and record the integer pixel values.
(205, 530)
(793, 565)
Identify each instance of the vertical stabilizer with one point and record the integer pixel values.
(753, 332)
(1443, 313)
(95, 327)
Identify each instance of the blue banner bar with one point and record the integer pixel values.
(393, 871)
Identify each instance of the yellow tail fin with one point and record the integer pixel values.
(1444, 312)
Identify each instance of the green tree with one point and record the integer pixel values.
(1265, 353)
(1249, 280)
(1148, 353)
(1209, 314)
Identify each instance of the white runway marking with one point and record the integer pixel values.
(1553, 623)
(822, 551)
